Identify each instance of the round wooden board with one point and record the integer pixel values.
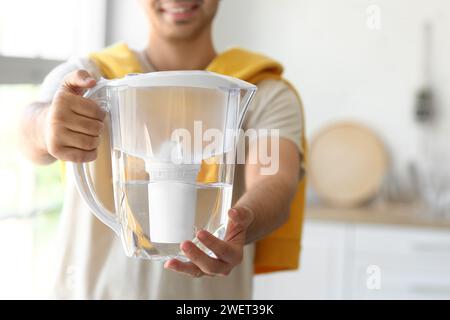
(347, 164)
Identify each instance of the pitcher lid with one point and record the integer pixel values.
(200, 79)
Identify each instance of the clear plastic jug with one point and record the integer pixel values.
(173, 139)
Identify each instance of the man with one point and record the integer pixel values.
(65, 126)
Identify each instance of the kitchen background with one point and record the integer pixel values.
(352, 60)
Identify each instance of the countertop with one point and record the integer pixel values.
(398, 214)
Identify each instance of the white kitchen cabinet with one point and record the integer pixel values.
(413, 263)
(321, 268)
(339, 259)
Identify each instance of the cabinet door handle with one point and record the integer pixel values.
(433, 289)
(431, 247)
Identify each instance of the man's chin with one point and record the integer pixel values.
(183, 30)
(180, 37)
(182, 22)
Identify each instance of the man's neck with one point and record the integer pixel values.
(195, 54)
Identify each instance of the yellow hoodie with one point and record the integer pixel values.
(281, 249)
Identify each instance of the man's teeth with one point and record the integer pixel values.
(178, 10)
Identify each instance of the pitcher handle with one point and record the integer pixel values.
(84, 183)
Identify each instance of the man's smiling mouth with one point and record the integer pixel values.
(179, 7)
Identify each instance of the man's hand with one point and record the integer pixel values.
(229, 252)
(73, 124)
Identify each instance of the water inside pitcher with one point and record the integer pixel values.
(173, 150)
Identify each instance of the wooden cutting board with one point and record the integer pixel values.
(347, 164)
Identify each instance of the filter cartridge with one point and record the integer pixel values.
(172, 201)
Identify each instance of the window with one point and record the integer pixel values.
(51, 29)
(31, 196)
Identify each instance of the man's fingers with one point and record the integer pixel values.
(78, 81)
(76, 155)
(223, 250)
(88, 108)
(74, 123)
(229, 252)
(207, 264)
(79, 140)
(85, 125)
(184, 267)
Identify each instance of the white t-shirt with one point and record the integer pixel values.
(91, 263)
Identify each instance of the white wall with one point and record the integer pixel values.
(342, 68)
(127, 23)
(57, 32)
